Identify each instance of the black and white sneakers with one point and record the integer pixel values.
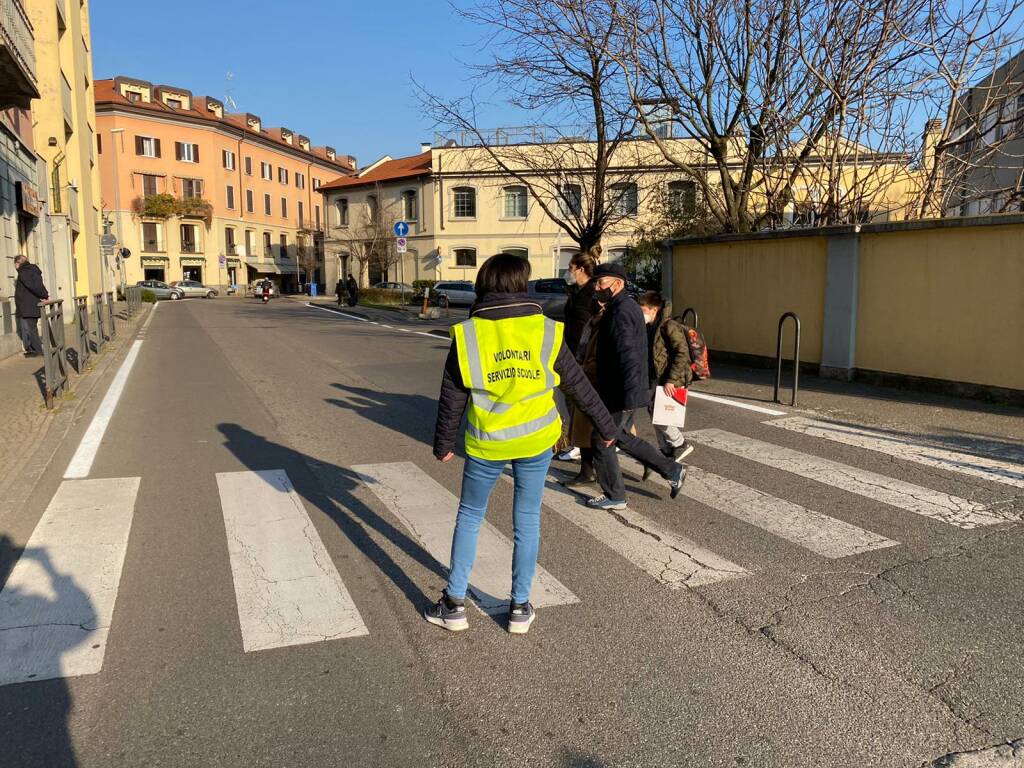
(520, 617)
(448, 613)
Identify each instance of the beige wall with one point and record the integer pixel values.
(946, 304)
(740, 289)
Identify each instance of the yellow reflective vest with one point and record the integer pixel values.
(509, 367)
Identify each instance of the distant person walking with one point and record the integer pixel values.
(28, 292)
(339, 291)
(623, 381)
(503, 366)
(353, 290)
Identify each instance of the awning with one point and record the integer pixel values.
(161, 260)
(269, 269)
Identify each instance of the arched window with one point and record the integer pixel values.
(371, 203)
(522, 253)
(515, 202)
(410, 209)
(465, 257)
(342, 208)
(464, 203)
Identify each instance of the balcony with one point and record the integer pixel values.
(65, 100)
(17, 57)
(71, 207)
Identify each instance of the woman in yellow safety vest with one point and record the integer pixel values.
(502, 369)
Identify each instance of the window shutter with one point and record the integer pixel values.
(138, 145)
(224, 157)
(195, 153)
(156, 147)
(177, 150)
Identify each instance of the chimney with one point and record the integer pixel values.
(425, 146)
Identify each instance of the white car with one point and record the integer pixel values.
(194, 288)
(457, 292)
(404, 287)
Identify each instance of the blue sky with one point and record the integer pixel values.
(338, 72)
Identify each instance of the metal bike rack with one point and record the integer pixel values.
(101, 326)
(110, 314)
(689, 311)
(54, 364)
(796, 357)
(82, 331)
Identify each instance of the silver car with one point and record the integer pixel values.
(456, 292)
(194, 288)
(161, 289)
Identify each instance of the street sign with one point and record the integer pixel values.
(401, 245)
(222, 260)
(401, 229)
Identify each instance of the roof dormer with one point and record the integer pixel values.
(331, 154)
(253, 122)
(210, 105)
(175, 98)
(134, 90)
(287, 136)
(303, 142)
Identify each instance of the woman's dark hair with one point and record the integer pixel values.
(652, 299)
(503, 273)
(584, 261)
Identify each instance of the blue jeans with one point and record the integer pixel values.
(478, 481)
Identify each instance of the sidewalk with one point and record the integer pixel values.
(31, 432)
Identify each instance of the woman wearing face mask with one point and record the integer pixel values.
(579, 308)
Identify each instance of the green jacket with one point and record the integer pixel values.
(670, 354)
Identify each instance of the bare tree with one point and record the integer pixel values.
(555, 59)
(368, 239)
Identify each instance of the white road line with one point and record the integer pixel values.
(985, 467)
(913, 498)
(428, 510)
(81, 462)
(823, 535)
(433, 336)
(734, 403)
(287, 589)
(333, 312)
(57, 605)
(670, 559)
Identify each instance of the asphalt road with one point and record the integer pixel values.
(892, 656)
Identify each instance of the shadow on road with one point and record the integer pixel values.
(330, 488)
(409, 415)
(35, 714)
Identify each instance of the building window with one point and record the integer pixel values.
(682, 198)
(266, 205)
(522, 253)
(149, 184)
(185, 152)
(515, 202)
(464, 203)
(229, 241)
(266, 171)
(229, 160)
(624, 199)
(301, 214)
(465, 257)
(133, 96)
(248, 166)
(266, 245)
(231, 197)
(571, 202)
(174, 103)
(284, 207)
(248, 243)
(410, 209)
(342, 207)
(371, 203)
(190, 239)
(191, 188)
(151, 237)
(282, 175)
(300, 181)
(284, 246)
(147, 146)
(248, 200)
(316, 209)
(316, 185)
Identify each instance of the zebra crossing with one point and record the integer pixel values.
(288, 592)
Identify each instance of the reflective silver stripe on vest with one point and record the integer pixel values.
(520, 430)
(481, 399)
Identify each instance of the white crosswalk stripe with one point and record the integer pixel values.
(940, 506)
(985, 467)
(287, 589)
(821, 534)
(428, 511)
(57, 605)
(671, 559)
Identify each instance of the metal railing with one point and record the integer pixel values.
(689, 311)
(54, 364)
(133, 299)
(110, 315)
(83, 350)
(101, 325)
(17, 32)
(796, 356)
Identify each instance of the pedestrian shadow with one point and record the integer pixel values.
(409, 415)
(331, 489)
(38, 632)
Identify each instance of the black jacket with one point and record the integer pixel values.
(29, 291)
(622, 373)
(451, 405)
(579, 308)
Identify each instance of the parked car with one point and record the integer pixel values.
(161, 289)
(551, 294)
(404, 287)
(194, 288)
(457, 292)
(259, 285)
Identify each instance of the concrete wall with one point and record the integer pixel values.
(935, 300)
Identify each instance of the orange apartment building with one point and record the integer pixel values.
(195, 192)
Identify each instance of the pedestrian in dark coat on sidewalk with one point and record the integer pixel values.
(353, 291)
(339, 291)
(28, 292)
(623, 382)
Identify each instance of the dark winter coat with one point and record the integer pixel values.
(29, 291)
(579, 308)
(339, 289)
(623, 379)
(454, 396)
(670, 354)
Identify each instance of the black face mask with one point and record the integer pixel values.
(604, 295)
